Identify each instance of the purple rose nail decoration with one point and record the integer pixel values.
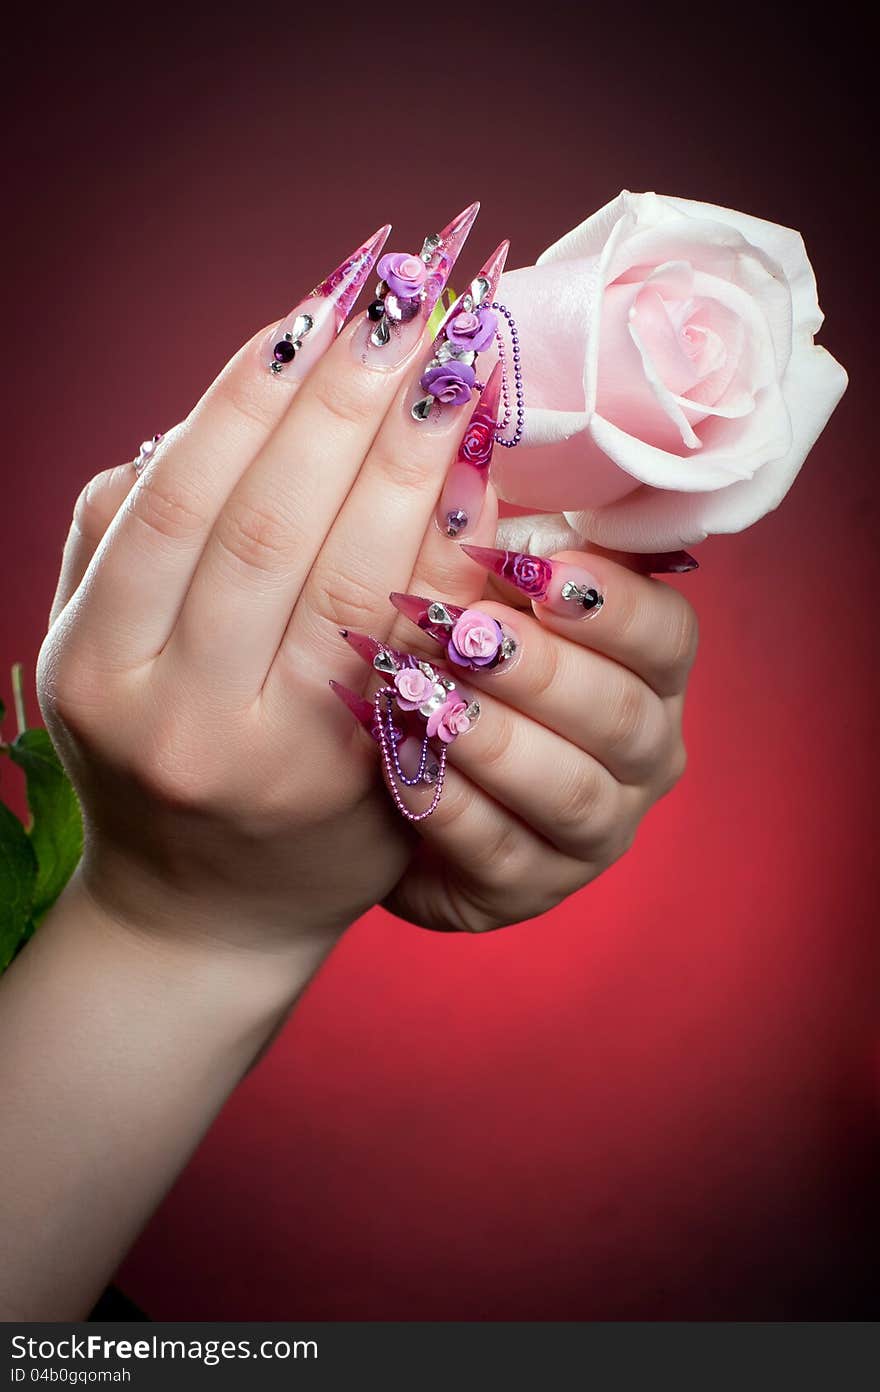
(409, 286)
(471, 330)
(451, 382)
(403, 273)
(470, 327)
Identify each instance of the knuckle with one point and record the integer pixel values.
(241, 396)
(401, 470)
(93, 511)
(546, 671)
(680, 648)
(496, 747)
(577, 808)
(628, 607)
(503, 845)
(676, 765)
(255, 536)
(627, 718)
(72, 691)
(341, 397)
(345, 601)
(165, 508)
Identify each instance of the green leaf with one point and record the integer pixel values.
(441, 309)
(56, 829)
(2, 712)
(18, 878)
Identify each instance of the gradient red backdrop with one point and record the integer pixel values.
(659, 1101)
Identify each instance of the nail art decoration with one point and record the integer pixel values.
(470, 328)
(146, 452)
(409, 287)
(311, 326)
(472, 638)
(464, 491)
(413, 689)
(569, 590)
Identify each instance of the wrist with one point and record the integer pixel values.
(190, 961)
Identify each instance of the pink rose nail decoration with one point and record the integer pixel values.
(475, 640)
(471, 637)
(414, 688)
(464, 491)
(449, 721)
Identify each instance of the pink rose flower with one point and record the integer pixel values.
(413, 688)
(673, 388)
(475, 639)
(449, 721)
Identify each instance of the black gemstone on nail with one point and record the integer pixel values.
(284, 351)
(375, 310)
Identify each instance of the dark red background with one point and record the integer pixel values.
(659, 1101)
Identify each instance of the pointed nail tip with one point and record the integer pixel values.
(379, 237)
(403, 601)
(483, 555)
(461, 225)
(675, 563)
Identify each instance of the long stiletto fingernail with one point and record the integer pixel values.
(299, 340)
(363, 710)
(472, 638)
(667, 563)
(451, 373)
(409, 286)
(567, 590)
(464, 491)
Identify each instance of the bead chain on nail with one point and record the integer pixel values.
(390, 770)
(517, 382)
(390, 731)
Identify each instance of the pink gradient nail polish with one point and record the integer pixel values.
(461, 502)
(372, 651)
(363, 710)
(410, 285)
(568, 590)
(296, 344)
(471, 638)
(466, 338)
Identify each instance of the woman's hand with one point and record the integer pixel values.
(184, 678)
(578, 734)
(193, 773)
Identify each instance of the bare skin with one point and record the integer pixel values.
(184, 681)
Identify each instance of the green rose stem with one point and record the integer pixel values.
(18, 698)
